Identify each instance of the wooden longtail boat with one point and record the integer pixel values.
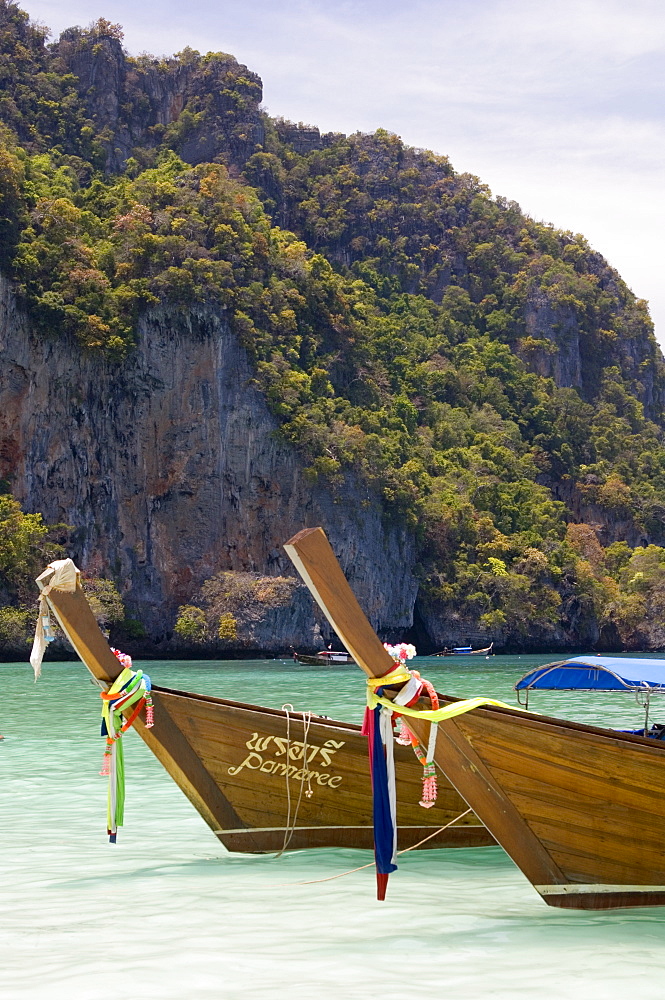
(326, 658)
(578, 808)
(249, 771)
(466, 651)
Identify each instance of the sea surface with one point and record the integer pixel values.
(167, 913)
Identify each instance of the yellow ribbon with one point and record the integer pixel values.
(437, 714)
(398, 675)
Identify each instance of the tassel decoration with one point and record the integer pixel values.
(403, 733)
(406, 738)
(430, 790)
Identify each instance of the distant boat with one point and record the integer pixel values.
(466, 651)
(325, 658)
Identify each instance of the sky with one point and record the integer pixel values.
(557, 105)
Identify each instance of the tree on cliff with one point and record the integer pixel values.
(26, 547)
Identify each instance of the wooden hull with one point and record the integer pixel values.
(581, 810)
(246, 751)
(321, 661)
(248, 770)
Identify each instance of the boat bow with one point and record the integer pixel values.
(579, 809)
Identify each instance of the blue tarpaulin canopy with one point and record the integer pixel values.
(596, 673)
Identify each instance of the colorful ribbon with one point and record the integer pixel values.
(378, 727)
(130, 689)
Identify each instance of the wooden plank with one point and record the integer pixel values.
(314, 559)
(576, 786)
(596, 830)
(475, 783)
(312, 556)
(359, 838)
(590, 799)
(223, 736)
(80, 626)
(601, 757)
(585, 898)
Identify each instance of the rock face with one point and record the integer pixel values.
(440, 625)
(304, 138)
(271, 614)
(560, 360)
(133, 101)
(169, 467)
(559, 345)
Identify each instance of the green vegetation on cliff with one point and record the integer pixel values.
(229, 607)
(27, 545)
(491, 378)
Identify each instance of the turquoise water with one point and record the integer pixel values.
(169, 914)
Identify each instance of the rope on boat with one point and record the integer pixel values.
(291, 823)
(371, 864)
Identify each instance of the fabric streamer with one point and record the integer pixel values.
(63, 575)
(407, 738)
(378, 727)
(426, 757)
(439, 714)
(384, 799)
(131, 689)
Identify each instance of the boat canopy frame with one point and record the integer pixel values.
(584, 667)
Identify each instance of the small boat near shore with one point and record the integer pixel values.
(325, 658)
(466, 651)
(265, 779)
(580, 809)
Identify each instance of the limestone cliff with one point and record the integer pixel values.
(561, 344)
(170, 468)
(131, 102)
(438, 360)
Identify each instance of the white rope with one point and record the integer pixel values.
(431, 744)
(371, 864)
(290, 827)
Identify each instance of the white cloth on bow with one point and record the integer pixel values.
(63, 576)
